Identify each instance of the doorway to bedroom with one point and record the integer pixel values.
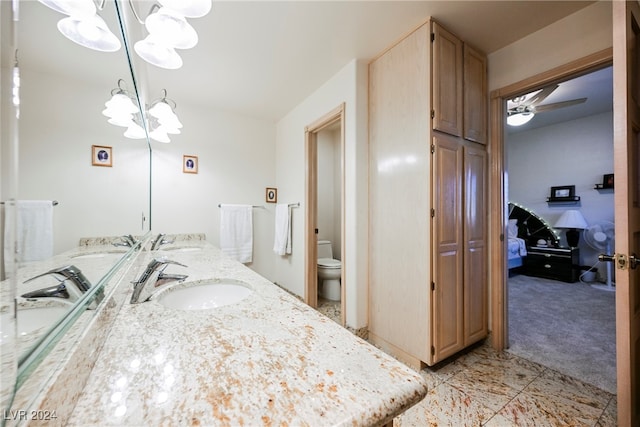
(560, 298)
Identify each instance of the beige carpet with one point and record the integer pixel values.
(569, 327)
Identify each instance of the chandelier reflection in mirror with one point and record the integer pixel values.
(166, 25)
(159, 117)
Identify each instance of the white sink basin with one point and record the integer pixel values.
(205, 295)
(32, 319)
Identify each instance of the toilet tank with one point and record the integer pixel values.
(324, 249)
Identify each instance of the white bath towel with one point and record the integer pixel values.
(236, 232)
(282, 241)
(33, 232)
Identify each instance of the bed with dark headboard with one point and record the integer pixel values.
(526, 229)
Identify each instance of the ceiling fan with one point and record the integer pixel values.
(523, 108)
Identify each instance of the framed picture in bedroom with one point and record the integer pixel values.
(272, 195)
(189, 164)
(563, 192)
(101, 156)
(607, 180)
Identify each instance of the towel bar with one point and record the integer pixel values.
(253, 206)
(53, 202)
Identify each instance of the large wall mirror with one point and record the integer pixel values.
(63, 151)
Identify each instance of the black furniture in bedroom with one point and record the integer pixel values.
(543, 256)
(553, 263)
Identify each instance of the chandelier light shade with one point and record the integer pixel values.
(573, 221)
(166, 23)
(91, 32)
(171, 29)
(158, 54)
(519, 119)
(80, 8)
(188, 8)
(159, 119)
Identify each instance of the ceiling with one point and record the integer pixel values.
(262, 58)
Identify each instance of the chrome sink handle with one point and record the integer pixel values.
(70, 272)
(159, 241)
(57, 291)
(155, 269)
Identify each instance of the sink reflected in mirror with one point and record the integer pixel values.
(204, 295)
(98, 255)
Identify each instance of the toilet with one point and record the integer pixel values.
(329, 272)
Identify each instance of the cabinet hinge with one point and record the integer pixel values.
(433, 148)
(433, 114)
(433, 350)
(433, 37)
(433, 213)
(433, 286)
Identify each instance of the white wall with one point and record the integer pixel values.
(60, 119)
(576, 153)
(586, 31)
(329, 188)
(348, 86)
(236, 163)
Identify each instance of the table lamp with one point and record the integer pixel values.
(573, 221)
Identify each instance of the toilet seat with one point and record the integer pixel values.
(329, 263)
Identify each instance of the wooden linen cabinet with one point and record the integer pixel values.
(427, 189)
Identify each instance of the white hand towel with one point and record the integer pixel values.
(236, 232)
(282, 241)
(33, 232)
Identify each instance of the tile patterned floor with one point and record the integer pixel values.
(482, 387)
(497, 389)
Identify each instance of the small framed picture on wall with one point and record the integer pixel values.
(101, 156)
(189, 164)
(272, 195)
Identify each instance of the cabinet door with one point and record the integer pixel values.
(475, 95)
(447, 82)
(475, 245)
(447, 296)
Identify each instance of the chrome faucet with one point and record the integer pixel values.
(155, 273)
(126, 240)
(69, 273)
(159, 241)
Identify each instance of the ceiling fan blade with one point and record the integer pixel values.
(541, 96)
(556, 105)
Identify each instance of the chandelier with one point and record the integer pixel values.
(158, 119)
(166, 25)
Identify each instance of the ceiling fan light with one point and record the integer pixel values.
(188, 8)
(91, 32)
(71, 7)
(171, 29)
(519, 119)
(158, 54)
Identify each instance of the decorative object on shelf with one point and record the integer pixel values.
(600, 236)
(101, 156)
(166, 24)
(573, 221)
(159, 119)
(272, 195)
(607, 182)
(189, 164)
(564, 193)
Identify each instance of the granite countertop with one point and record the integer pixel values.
(266, 360)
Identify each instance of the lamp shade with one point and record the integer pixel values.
(571, 219)
(91, 32)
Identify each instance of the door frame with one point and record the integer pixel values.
(497, 180)
(311, 201)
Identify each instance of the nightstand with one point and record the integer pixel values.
(553, 263)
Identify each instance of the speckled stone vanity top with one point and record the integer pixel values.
(266, 360)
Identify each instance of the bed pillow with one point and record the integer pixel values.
(512, 228)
